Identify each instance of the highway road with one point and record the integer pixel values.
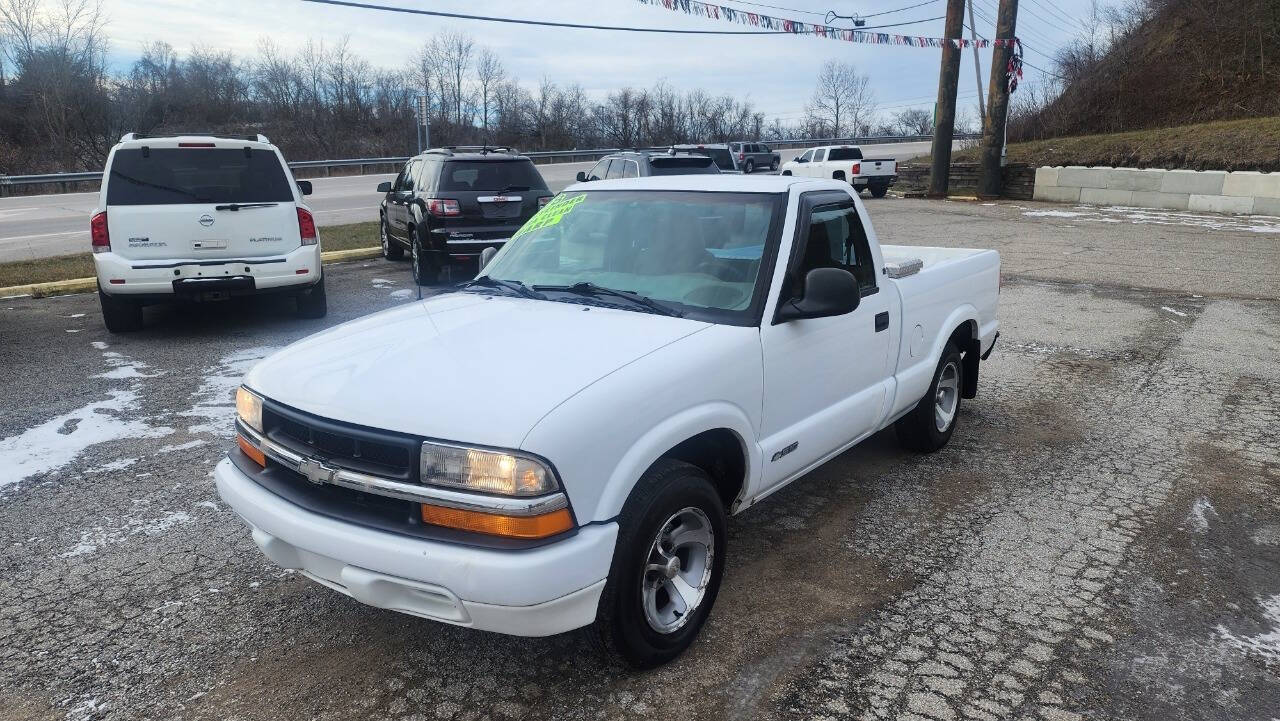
(37, 226)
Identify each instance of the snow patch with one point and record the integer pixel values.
(1178, 313)
(1201, 510)
(1052, 214)
(182, 446)
(216, 397)
(100, 536)
(1266, 645)
(123, 367)
(402, 294)
(114, 465)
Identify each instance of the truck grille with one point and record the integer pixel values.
(354, 447)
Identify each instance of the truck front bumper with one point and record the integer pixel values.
(535, 592)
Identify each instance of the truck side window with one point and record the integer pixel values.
(598, 172)
(836, 239)
(410, 170)
(808, 155)
(398, 185)
(630, 169)
(819, 155)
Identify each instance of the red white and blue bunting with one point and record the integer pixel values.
(767, 22)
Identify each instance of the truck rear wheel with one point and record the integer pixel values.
(751, 167)
(120, 315)
(667, 566)
(878, 191)
(930, 424)
(425, 271)
(313, 303)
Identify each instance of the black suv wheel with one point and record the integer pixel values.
(423, 264)
(391, 250)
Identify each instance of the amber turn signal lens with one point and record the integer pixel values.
(250, 451)
(542, 526)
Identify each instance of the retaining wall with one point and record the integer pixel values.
(1214, 191)
(1017, 180)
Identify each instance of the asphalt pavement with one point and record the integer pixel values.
(1100, 539)
(36, 226)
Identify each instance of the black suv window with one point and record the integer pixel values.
(171, 176)
(682, 165)
(495, 175)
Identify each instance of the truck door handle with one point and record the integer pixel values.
(882, 321)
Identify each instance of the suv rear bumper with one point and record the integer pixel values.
(535, 592)
(297, 269)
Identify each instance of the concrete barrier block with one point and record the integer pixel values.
(1220, 203)
(1194, 182)
(1056, 193)
(1082, 177)
(1134, 179)
(1258, 185)
(1046, 176)
(1266, 206)
(1167, 201)
(1103, 196)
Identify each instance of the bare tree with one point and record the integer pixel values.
(453, 52)
(489, 72)
(915, 121)
(842, 99)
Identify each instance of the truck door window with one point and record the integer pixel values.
(406, 180)
(630, 169)
(808, 155)
(598, 172)
(819, 155)
(615, 168)
(836, 239)
(398, 185)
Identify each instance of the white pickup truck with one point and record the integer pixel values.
(645, 357)
(845, 162)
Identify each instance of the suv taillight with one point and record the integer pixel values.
(443, 207)
(742, 156)
(98, 234)
(307, 227)
(544, 201)
(857, 168)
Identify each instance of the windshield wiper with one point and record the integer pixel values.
(510, 188)
(515, 286)
(159, 186)
(238, 206)
(591, 289)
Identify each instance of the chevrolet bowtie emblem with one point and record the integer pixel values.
(316, 472)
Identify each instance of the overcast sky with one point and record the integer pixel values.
(775, 72)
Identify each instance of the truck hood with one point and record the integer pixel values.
(463, 367)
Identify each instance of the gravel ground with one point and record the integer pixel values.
(1101, 539)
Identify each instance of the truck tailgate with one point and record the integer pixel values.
(879, 166)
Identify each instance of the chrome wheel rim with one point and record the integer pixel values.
(414, 255)
(382, 238)
(947, 399)
(678, 570)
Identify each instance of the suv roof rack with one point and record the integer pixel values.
(482, 149)
(254, 138)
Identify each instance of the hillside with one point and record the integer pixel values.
(1250, 144)
(1163, 63)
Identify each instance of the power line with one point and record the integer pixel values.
(823, 15)
(886, 12)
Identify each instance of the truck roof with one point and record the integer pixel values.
(723, 183)
(137, 140)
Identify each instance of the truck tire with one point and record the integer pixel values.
(786, 172)
(750, 167)
(930, 424)
(425, 270)
(659, 593)
(120, 315)
(774, 165)
(391, 250)
(313, 303)
(878, 191)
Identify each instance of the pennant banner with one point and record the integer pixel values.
(766, 22)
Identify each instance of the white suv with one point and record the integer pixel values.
(201, 218)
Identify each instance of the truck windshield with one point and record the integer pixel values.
(844, 154)
(697, 253)
(169, 176)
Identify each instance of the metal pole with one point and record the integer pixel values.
(993, 128)
(948, 81)
(977, 63)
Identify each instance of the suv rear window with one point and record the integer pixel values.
(721, 155)
(173, 176)
(844, 154)
(682, 165)
(495, 175)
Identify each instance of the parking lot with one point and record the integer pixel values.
(1101, 539)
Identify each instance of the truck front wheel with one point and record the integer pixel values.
(930, 424)
(666, 568)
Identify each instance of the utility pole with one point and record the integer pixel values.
(977, 63)
(945, 123)
(993, 126)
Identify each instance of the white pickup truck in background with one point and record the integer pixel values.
(845, 162)
(644, 357)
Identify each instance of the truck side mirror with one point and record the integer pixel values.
(582, 177)
(304, 186)
(384, 187)
(827, 292)
(486, 255)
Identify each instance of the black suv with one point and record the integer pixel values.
(643, 163)
(448, 204)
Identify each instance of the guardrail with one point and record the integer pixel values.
(9, 183)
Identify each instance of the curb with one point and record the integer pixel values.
(87, 285)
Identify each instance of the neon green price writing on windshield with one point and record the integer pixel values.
(551, 214)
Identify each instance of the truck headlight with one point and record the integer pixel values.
(475, 469)
(249, 408)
